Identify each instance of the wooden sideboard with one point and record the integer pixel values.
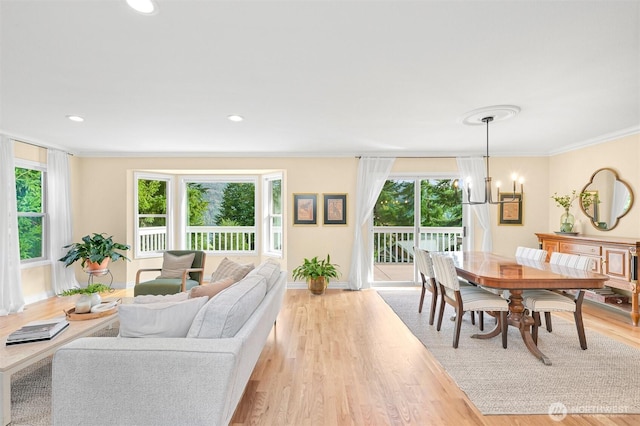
(616, 257)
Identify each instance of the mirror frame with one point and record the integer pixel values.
(617, 178)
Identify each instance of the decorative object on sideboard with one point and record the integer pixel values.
(485, 116)
(567, 220)
(317, 273)
(612, 199)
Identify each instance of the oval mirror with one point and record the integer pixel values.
(609, 199)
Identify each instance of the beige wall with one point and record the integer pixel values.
(573, 170)
(103, 198)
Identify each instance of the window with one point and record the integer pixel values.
(272, 217)
(220, 214)
(30, 198)
(153, 201)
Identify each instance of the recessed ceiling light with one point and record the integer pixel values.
(235, 118)
(146, 7)
(76, 118)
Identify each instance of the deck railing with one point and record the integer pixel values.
(394, 244)
(218, 239)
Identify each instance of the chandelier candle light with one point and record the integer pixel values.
(487, 115)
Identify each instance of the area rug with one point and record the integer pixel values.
(604, 379)
(31, 391)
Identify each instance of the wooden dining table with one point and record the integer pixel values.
(516, 275)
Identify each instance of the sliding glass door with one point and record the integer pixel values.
(416, 211)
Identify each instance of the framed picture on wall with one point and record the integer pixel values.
(305, 209)
(510, 210)
(335, 209)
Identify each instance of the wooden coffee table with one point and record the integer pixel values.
(14, 358)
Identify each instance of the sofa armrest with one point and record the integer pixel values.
(145, 270)
(146, 381)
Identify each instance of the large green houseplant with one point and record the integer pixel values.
(94, 251)
(317, 273)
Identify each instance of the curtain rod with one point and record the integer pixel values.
(36, 144)
(408, 157)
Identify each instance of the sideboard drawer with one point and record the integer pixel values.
(592, 250)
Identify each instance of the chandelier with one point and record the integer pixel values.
(486, 116)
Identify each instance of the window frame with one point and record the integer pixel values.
(42, 168)
(268, 215)
(220, 178)
(169, 179)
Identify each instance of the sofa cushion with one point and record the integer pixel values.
(270, 270)
(160, 298)
(165, 319)
(227, 312)
(212, 289)
(174, 266)
(229, 268)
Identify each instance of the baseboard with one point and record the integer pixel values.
(333, 284)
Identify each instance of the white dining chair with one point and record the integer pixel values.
(428, 278)
(465, 298)
(537, 255)
(547, 301)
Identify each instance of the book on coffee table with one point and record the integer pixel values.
(38, 330)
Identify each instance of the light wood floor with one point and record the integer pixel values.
(345, 358)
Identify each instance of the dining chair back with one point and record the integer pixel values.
(547, 301)
(538, 255)
(584, 263)
(428, 278)
(465, 298)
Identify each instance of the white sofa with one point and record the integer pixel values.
(166, 381)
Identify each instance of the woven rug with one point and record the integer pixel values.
(602, 379)
(31, 391)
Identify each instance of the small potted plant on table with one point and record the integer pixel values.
(317, 273)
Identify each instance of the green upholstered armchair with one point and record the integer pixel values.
(188, 278)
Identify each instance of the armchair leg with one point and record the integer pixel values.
(481, 320)
(421, 298)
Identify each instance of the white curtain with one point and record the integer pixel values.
(372, 174)
(11, 297)
(473, 169)
(619, 201)
(60, 224)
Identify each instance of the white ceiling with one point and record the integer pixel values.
(318, 77)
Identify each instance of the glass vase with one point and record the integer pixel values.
(566, 222)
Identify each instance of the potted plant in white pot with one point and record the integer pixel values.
(317, 273)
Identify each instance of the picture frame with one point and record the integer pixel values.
(335, 209)
(510, 213)
(305, 209)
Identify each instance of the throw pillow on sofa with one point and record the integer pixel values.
(227, 312)
(169, 319)
(230, 269)
(212, 289)
(174, 266)
(270, 270)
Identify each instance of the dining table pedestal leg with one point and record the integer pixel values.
(518, 318)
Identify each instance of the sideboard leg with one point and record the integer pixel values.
(635, 314)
